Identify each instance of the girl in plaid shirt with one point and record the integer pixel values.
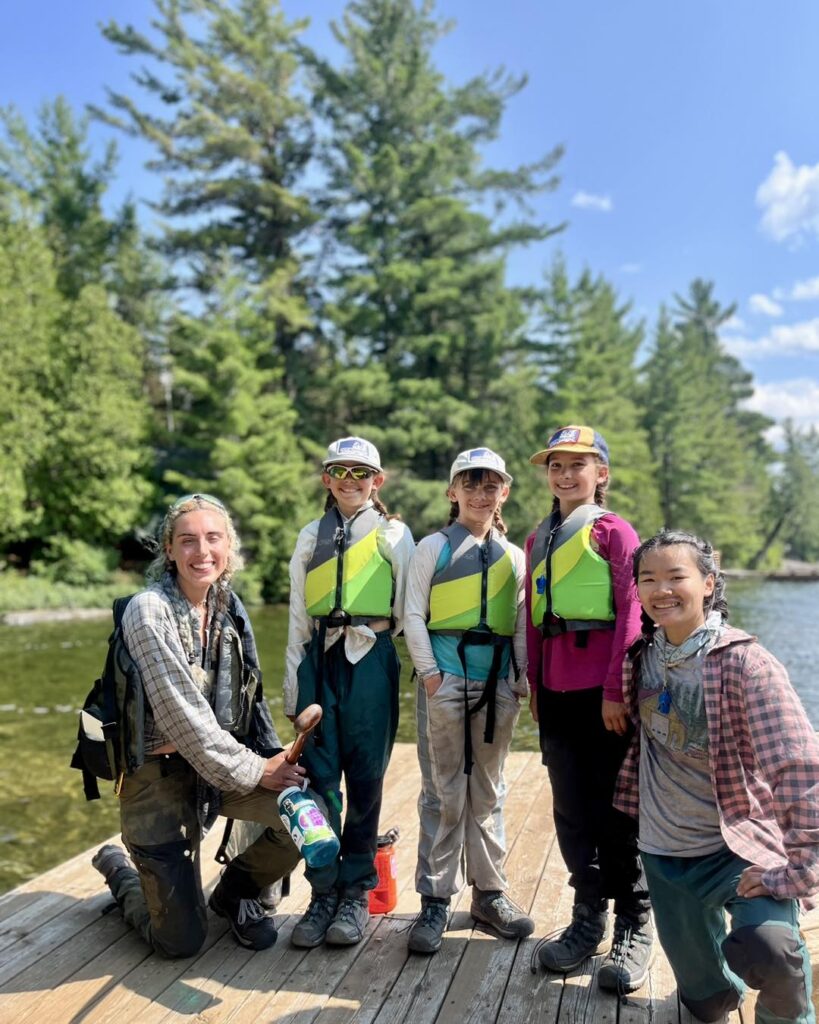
(723, 775)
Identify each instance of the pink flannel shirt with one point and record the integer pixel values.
(764, 760)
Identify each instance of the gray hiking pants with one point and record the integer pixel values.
(461, 816)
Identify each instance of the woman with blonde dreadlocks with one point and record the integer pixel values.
(347, 578)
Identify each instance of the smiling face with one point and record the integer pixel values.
(573, 478)
(352, 494)
(673, 591)
(478, 494)
(199, 547)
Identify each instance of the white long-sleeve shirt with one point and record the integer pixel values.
(396, 545)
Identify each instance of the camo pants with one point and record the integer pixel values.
(163, 900)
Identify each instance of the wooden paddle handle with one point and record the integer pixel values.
(304, 725)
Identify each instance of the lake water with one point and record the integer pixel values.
(46, 671)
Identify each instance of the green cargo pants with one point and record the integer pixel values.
(360, 704)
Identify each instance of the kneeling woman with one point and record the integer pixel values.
(209, 749)
(465, 629)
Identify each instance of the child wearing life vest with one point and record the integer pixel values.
(465, 631)
(727, 793)
(582, 615)
(347, 579)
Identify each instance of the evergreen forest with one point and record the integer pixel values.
(332, 259)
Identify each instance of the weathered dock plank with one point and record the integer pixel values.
(64, 960)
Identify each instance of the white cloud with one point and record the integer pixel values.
(789, 199)
(804, 291)
(734, 323)
(783, 339)
(588, 201)
(797, 400)
(762, 304)
(631, 268)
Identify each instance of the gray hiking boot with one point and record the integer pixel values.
(312, 928)
(587, 935)
(632, 953)
(427, 932)
(109, 860)
(495, 910)
(350, 921)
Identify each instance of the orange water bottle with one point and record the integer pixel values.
(385, 894)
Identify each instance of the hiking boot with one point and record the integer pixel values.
(494, 909)
(632, 952)
(315, 921)
(427, 932)
(587, 935)
(109, 860)
(350, 921)
(248, 921)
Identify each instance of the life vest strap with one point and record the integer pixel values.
(488, 699)
(559, 626)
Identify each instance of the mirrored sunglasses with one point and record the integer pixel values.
(356, 472)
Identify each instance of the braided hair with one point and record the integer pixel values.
(705, 559)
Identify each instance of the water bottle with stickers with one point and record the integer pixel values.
(308, 827)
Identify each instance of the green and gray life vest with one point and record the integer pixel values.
(476, 589)
(571, 583)
(347, 574)
(475, 598)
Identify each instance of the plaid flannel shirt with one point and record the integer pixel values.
(180, 713)
(764, 761)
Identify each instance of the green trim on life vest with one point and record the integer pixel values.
(455, 597)
(364, 587)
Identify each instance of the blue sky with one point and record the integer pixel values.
(691, 135)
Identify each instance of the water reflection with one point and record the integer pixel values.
(46, 671)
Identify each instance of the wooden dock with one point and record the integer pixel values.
(64, 959)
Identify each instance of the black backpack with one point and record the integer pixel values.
(110, 741)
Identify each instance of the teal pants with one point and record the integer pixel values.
(763, 950)
(355, 740)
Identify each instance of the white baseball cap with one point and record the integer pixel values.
(353, 449)
(479, 458)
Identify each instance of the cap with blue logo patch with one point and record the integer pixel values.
(479, 458)
(353, 449)
(574, 439)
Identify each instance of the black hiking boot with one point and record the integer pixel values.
(427, 932)
(250, 925)
(587, 935)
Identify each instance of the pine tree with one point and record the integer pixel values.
(421, 318)
(587, 358)
(792, 520)
(235, 425)
(711, 472)
(223, 108)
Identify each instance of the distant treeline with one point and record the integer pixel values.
(332, 260)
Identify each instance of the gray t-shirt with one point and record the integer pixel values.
(678, 809)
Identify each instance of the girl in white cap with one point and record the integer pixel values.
(465, 630)
(347, 578)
